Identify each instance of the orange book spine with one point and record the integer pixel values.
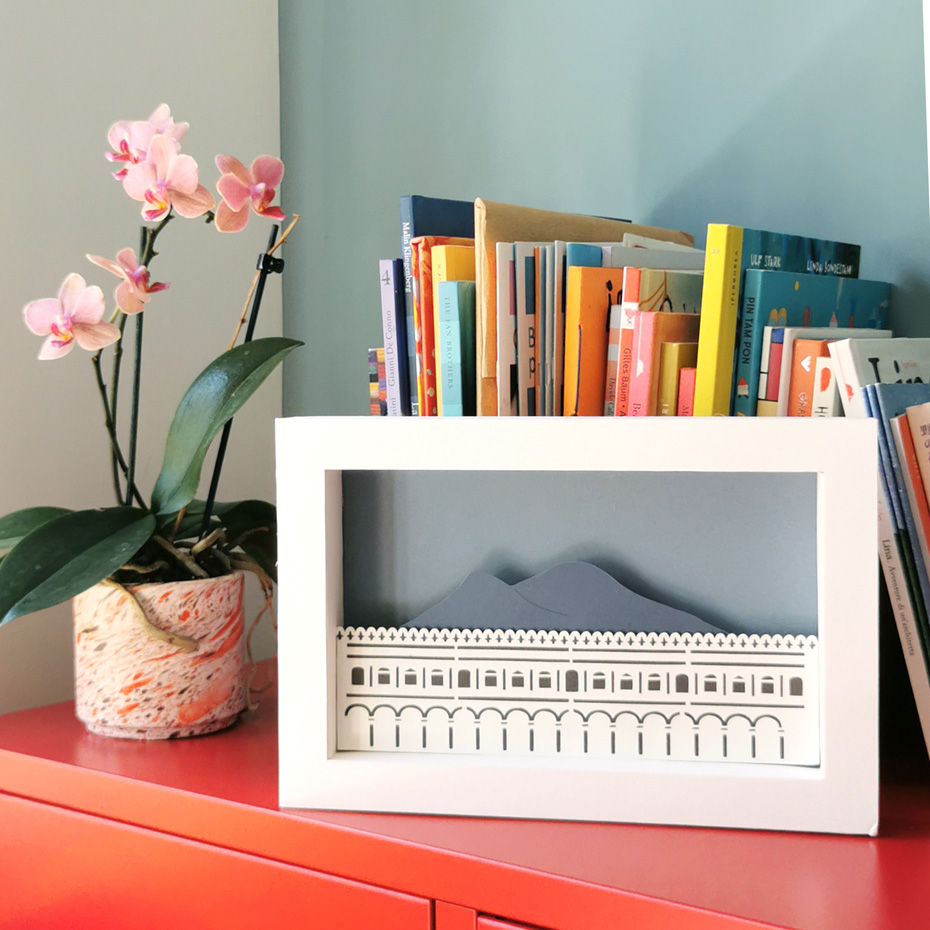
(915, 488)
(424, 328)
(803, 370)
(589, 296)
(417, 327)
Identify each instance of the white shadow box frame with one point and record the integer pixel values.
(840, 795)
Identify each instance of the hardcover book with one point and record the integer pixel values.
(675, 356)
(832, 333)
(427, 216)
(424, 321)
(449, 263)
(803, 373)
(730, 251)
(500, 222)
(455, 335)
(506, 330)
(875, 359)
(652, 328)
(374, 398)
(394, 330)
(905, 573)
(778, 298)
(918, 418)
(524, 254)
(653, 279)
(589, 296)
(773, 344)
(686, 391)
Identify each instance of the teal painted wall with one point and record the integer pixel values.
(800, 116)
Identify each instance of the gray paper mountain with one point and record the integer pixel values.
(571, 596)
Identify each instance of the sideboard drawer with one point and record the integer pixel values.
(62, 869)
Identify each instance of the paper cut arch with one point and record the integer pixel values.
(569, 597)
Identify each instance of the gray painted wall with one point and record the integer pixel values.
(802, 116)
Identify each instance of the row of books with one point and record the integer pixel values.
(623, 320)
(889, 379)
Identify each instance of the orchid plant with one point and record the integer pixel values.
(53, 554)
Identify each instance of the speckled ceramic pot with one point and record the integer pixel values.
(174, 670)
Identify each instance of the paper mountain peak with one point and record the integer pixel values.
(570, 596)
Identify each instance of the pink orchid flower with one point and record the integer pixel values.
(133, 293)
(130, 139)
(167, 180)
(239, 187)
(75, 315)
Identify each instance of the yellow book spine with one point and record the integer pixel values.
(719, 307)
(674, 357)
(450, 263)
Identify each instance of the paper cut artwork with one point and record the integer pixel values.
(571, 663)
(571, 596)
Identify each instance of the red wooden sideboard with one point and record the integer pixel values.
(100, 833)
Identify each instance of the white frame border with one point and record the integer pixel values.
(839, 796)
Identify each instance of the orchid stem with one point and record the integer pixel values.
(146, 251)
(266, 264)
(134, 417)
(114, 393)
(116, 454)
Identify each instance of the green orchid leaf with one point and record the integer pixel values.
(192, 519)
(262, 548)
(214, 397)
(68, 555)
(14, 526)
(254, 525)
(246, 516)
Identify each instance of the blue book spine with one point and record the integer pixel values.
(394, 331)
(456, 347)
(886, 401)
(584, 254)
(778, 298)
(427, 216)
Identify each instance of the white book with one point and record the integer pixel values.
(390, 320)
(506, 332)
(550, 332)
(525, 311)
(623, 256)
(645, 242)
(558, 294)
(873, 361)
(825, 400)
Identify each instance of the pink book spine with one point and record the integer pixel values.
(613, 362)
(686, 378)
(644, 328)
(771, 390)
